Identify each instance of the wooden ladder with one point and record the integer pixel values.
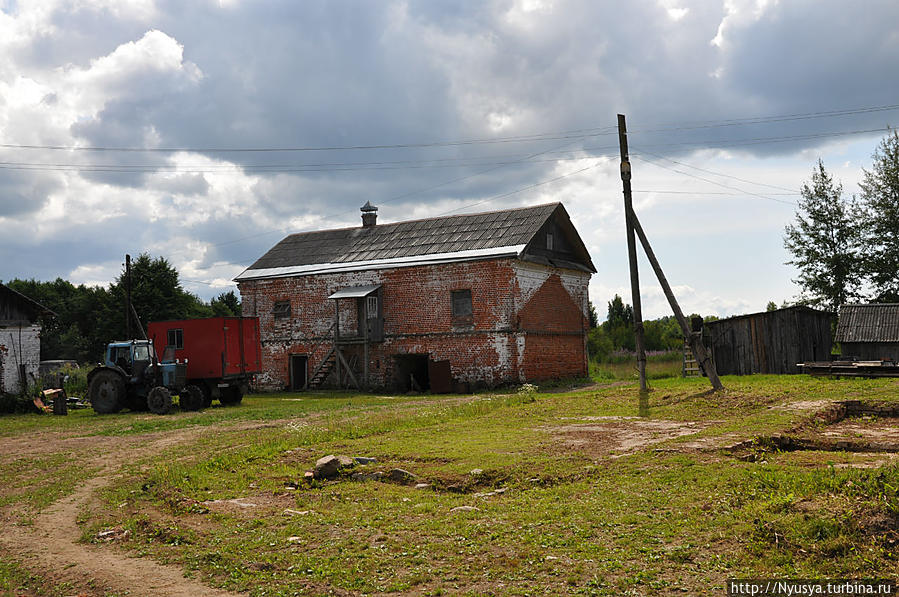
(690, 366)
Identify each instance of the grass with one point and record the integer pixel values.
(575, 518)
(658, 366)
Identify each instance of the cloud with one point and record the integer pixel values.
(211, 76)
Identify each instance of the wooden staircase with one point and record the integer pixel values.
(690, 366)
(327, 365)
(323, 370)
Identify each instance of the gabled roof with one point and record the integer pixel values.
(506, 233)
(868, 323)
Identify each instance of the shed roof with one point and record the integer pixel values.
(868, 323)
(504, 233)
(13, 302)
(763, 314)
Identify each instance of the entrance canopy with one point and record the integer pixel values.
(355, 291)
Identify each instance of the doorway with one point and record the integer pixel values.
(410, 372)
(299, 364)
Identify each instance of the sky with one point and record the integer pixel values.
(205, 131)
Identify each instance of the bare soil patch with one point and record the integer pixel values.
(613, 437)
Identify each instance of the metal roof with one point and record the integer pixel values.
(868, 323)
(355, 291)
(432, 240)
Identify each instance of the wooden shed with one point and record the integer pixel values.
(769, 342)
(869, 332)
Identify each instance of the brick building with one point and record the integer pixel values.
(20, 340)
(442, 303)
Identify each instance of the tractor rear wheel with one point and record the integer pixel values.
(231, 395)
(107, 392)
(191, 398)
(159, 400)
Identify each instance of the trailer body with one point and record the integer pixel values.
(222, 353)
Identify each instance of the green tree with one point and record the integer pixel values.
(226, 304)
(826, 242)
(591, 312)
(771, 306)
(880, 195)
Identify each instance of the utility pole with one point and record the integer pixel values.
(694, 338)
(127, 297)
(632, 252)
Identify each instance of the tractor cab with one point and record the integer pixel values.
(132, 357)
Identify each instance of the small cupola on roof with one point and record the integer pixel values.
(369, 215)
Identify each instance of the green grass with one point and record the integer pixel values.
(572, 520)
(660, 366)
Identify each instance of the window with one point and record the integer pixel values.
(371, 307)
(549, 241)
(175, 338)
(281, 310)
(461, 303)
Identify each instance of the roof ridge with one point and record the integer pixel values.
(431, 219)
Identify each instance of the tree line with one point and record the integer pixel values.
(847, 248)
(616, 333)
(88, 317)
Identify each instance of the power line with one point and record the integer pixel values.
(714, 182)
(762, 184)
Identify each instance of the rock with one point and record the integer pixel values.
(294, 539)
(476, 472)
(308, 476)
(465, 509)
(345, 462)
(398, 475)
(422, 485)
(326, 467)
(290, 512)
(376, 476)
(364, 460)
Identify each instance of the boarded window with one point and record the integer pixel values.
(549, 241)
(371, 307)
(461, 303)
(281, 310)
(175, 337)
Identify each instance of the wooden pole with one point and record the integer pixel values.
(695, 339)
(632, 252)
(127, 297)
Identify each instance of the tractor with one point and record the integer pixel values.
(132, 377)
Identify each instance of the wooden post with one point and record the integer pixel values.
(365, 320)
(337, 339)
(632, 252)
(695, 339)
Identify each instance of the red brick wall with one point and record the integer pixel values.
(497, 347)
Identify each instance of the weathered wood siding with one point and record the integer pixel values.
(870, 351)
(769, 342)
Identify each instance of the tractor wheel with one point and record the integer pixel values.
(191, 398)
(231, 395)
(159, 400)
(107, 392)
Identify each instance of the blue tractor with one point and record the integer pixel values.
(131, 377)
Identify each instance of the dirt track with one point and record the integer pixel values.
(50, 547)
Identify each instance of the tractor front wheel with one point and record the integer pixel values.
(159, 400)
(191, 398)
(107, 392)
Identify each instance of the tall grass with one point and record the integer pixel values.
(622, 365)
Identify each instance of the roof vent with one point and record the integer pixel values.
(369, 215)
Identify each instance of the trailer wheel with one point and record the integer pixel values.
(231, 395)
(207, 394)
(159, 400)
(191, 398)
(107, 391)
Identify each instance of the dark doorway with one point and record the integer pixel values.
(298, 367)
(410, 372)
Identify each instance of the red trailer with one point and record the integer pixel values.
(222, 353)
